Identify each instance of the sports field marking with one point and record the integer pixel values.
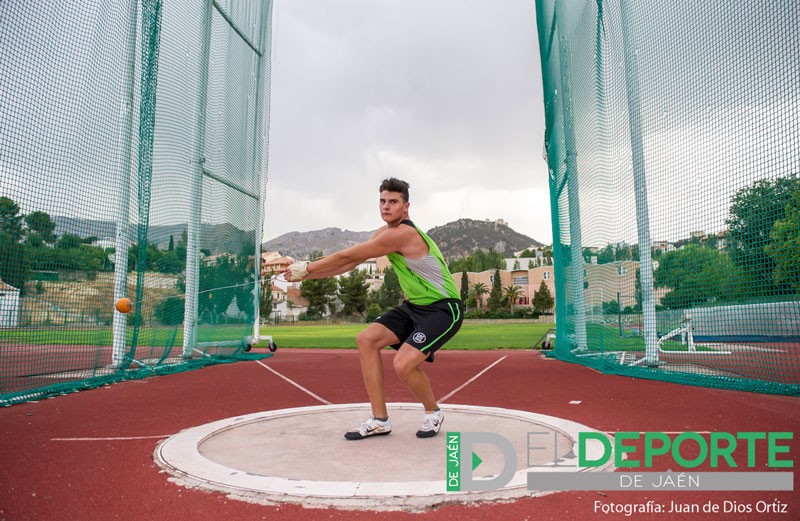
(451, 393)
(323, 400)
(121, 438)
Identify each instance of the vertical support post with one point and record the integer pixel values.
(261, 140)
(640, 186)
(122, 242)
(576, 246)
(195, 207)
(558, 278)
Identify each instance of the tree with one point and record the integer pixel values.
(697, 275)
(216, 293)
(41, 225)
(390, 293)
(353, 292)
(512, 293)
(543, 300)
(228, 278)
(611, 307)
(606, 255)
(247, 249)
(171, 246)
(69, 241)
(496, 293)
(784, 250)
(320, 294)
(170, 311)
(479, 261)
(12, 254)
(265, 301)
(464, 285)
(180, 248)
(373, 312)
(167, 262)
(10, 219)
(34, 241)
(86, 258)
(753, 213)
(477, 292)
(624, 251)
(246, 284)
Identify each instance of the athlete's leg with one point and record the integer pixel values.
(407, 366)
(370, 343)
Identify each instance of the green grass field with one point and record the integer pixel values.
(471, 336)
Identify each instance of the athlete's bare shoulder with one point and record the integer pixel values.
(409, 242)
(379, 231)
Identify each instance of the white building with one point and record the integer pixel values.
(9, 305)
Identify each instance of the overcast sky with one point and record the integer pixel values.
(445, 94)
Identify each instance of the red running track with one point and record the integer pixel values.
(89, 456)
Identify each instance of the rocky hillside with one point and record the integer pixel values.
(217, 238)
(300, 244)
(462, 237)
(456, 239)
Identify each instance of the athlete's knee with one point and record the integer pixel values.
(404, 366)
(367, 342)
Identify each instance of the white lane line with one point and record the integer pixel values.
(323, 400)
(441, 400)
(120, 438)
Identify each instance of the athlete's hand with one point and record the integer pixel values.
(296, 271)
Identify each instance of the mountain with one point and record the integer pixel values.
(84, 227)
(456, 239)
(300, 244)
(460, 238)
(215, 237)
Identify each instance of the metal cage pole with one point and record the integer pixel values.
(121, 245)
(195, 208)
(261, 139)
(573, 194)
(640, 186)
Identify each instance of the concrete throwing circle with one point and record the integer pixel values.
(300, 456)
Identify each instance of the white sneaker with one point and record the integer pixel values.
(431, 424)
(371, 427)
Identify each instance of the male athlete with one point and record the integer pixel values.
(416, 328)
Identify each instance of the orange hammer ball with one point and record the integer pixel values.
(124, 305)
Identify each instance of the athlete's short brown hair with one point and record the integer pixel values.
(395, 185)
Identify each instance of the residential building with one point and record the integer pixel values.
(527, 279)
(9, 305)
(273, 263)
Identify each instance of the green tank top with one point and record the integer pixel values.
(425, 280)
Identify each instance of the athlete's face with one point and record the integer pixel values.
(393, 208)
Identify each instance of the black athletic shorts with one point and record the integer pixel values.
(425, 327)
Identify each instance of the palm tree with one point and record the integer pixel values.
(512, 293)
(477, 292)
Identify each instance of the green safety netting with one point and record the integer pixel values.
(132, 164)
(673, 144)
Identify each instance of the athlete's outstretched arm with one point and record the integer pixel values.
(384, 243)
